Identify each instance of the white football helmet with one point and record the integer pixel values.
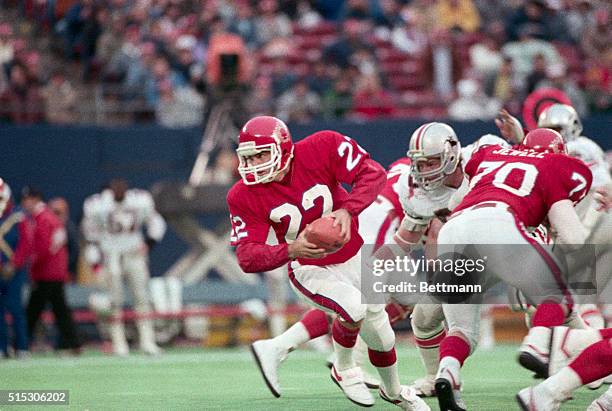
(433, 140)
(5, 196)
(561, 118)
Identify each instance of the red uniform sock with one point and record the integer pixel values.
(548, 315)
(315, 322)
(594, 363)
(343, 335)
(456, 347)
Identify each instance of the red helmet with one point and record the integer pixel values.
(259, 135)
(545, 140)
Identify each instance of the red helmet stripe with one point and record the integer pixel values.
(421, 133)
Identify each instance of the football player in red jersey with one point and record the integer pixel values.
(286, 187)
(577, 357)
(510, 190)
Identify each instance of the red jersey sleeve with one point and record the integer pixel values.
(565, 178)
(471, 168)
(23, 250)
(351, 164)
(249, 234)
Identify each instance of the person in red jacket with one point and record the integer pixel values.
(49, 269)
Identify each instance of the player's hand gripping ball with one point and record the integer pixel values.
(322, 233)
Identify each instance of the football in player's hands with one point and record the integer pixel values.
(322, 233)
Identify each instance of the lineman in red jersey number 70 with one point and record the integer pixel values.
(510, 190)
(286, 186)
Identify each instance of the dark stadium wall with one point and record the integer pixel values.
(75, 162)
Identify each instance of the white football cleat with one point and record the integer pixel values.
(603, 403)
(151, 348)
(537, 398)
(352, 385)
(268, 358)
(448, 391)
(534, 351)
(121, 349)
(559, 355)
(425, 387)
(407, 400)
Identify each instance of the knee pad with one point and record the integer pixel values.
(427, 320)
(376, 330)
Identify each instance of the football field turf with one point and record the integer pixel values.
(200, 379)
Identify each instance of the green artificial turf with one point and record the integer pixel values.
(228, 379)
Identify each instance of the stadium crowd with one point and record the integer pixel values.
(304, 59)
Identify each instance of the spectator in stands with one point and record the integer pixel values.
(140, 73)
(365, 60)
(351, 39)
(282, 78)
(426, 15)
(338, 101)
(493, 10)
(260, 100)
(244, 24)
(271, 23)
(533, 13)
(124, 57)
(505, 83)
(578, 17)
(111, 39)
(357, 10)
(597, 85)
(6, 45)
(459, 15)
(21, 102)
(388, 16)
(49, 270)
(472, 103)
(444, 63)
(597, 39)
(371, 100)
(298, 104)
(557, 78)
(185, 59)
(161, 73)
(307, 17)
(523, 52)
(409, 35)
(15, 252)
(319, 79)
(538, 73)
(486, 58)
(179, 106)
(60, 99)
(59, 207)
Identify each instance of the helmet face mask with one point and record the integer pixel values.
(260, 173)
(433, 141)
(562, 118)
(259, 135)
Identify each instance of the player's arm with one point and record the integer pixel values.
(91, 228)
(568, 183)
(564, 220)
(154, 223)
(352, 165)
(249, 235)
(509, 127)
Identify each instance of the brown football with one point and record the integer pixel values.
(323, 233)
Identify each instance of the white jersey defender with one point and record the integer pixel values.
(119, 224)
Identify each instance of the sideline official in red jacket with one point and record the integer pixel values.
(49, 269)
